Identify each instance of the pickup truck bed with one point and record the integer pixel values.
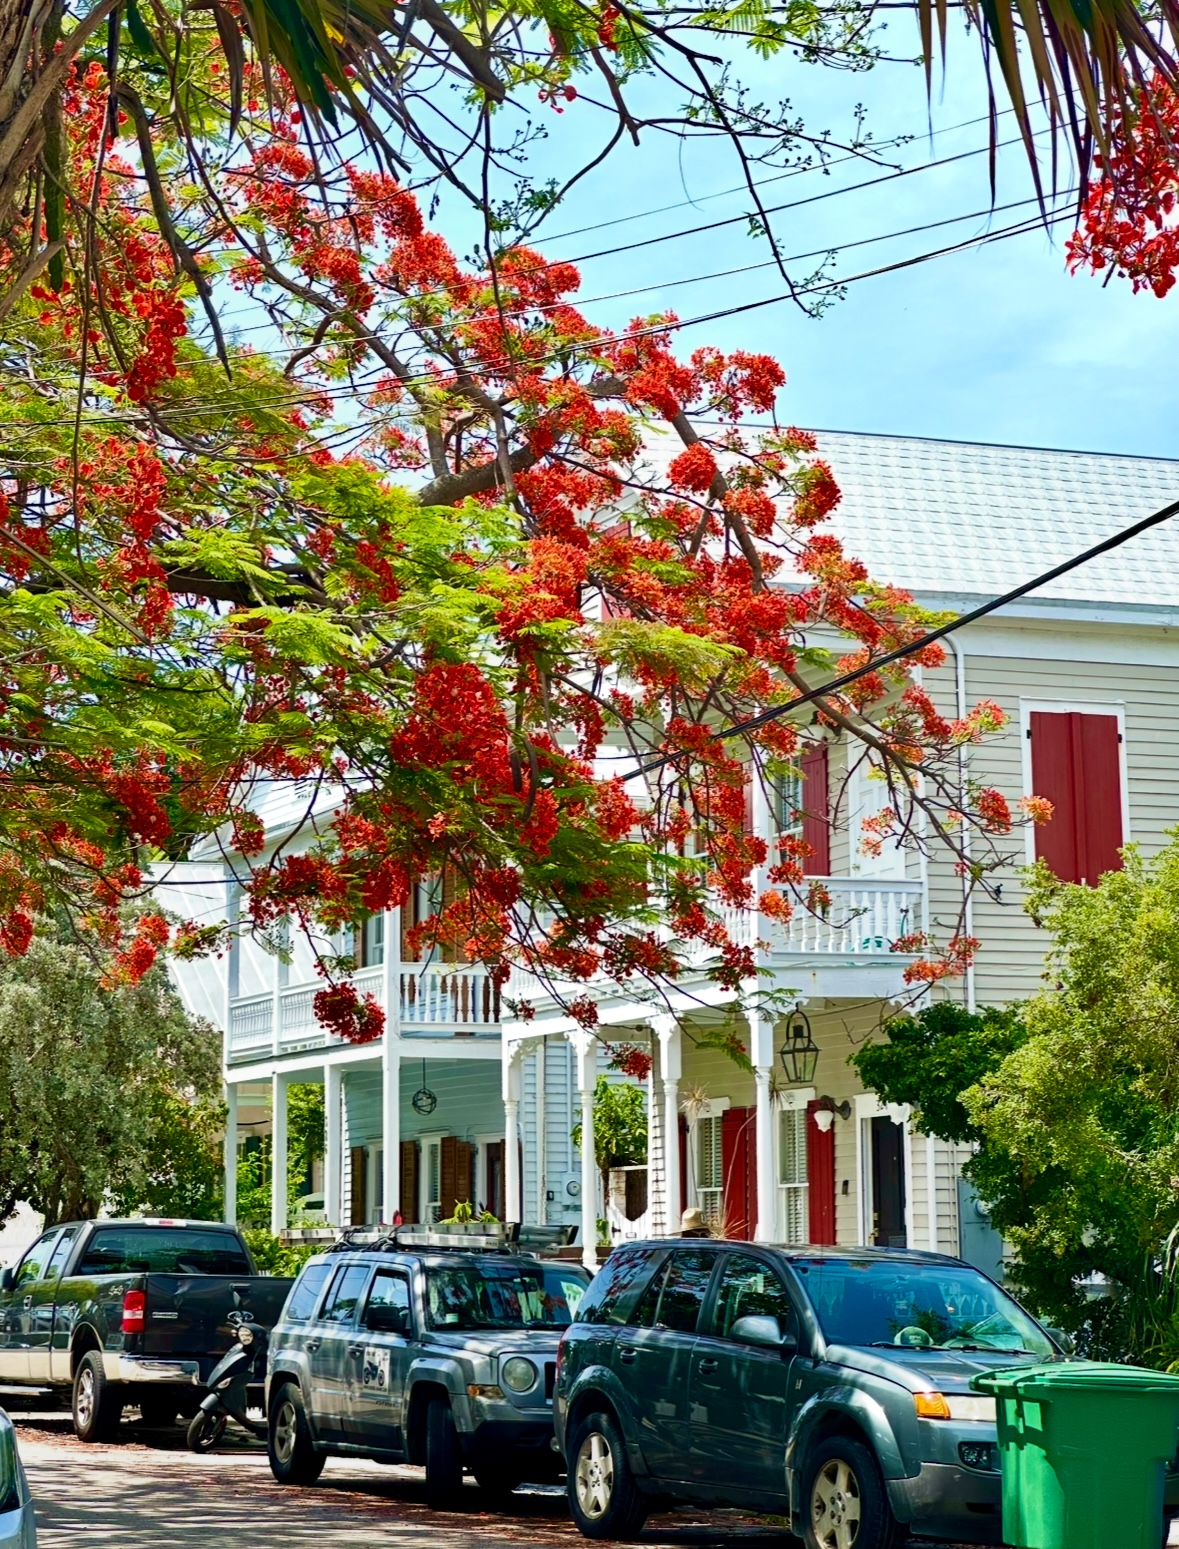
(93, 1287)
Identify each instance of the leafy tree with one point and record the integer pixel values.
(183, 1172)
(1072, 1100)
(106, 1089)
(620, 1125)
(305, 1142)
(450, 659)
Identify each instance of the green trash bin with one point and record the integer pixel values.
(1083, 1448)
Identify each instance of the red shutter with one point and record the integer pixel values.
(820, 1175)
(816, 830)
(748, 800)
(1076, 765)
(737, 1150)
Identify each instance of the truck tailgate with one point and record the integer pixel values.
(188, 1315)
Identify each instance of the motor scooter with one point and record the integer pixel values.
(229, 1384)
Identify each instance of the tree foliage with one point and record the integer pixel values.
(620, 1125)
(531, 557)
(106, 1089)
(1072, 1100)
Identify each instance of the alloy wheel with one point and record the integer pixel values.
(285, 1431)
(835, 1505)
(594, 1476)
(84, 1398)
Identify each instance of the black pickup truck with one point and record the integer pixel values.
(128, 1312)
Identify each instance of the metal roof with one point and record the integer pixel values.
(960, 517)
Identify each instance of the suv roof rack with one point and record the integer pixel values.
(500, 1237)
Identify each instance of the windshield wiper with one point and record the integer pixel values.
(988, 1349)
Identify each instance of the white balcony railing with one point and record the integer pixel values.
(460, 997)
(864, 918)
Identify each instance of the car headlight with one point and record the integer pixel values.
(245, 1336)
(518, 1374)
(954, 1406)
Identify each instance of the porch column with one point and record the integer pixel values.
(230, 1154)
(586, 1048)
(511, 1094)
(391, 1066)
(278, 1153)
(333, 1144)
(761, 1051)
(667, 1030)
(390, 1126)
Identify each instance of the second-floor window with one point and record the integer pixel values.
(803, 808)
(1076, 762)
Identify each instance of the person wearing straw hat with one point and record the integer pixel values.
(693, 1224)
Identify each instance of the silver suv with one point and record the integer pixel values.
(434, 1356)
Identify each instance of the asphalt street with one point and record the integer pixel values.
(145, 1491)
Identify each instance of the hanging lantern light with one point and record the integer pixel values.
(800, 1052)
(424, 1101)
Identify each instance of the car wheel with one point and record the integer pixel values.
(293, 1458)
(604, 1499)
(444, 1462)
(205, 1431)
(96, 1407)
(844, 1502)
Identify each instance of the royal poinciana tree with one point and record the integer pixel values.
(414, 556)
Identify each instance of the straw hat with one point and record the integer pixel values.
(693, 1221)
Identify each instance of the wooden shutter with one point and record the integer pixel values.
(816, 830)
(820, 1175)
(358, 1202)
(1076, 764)
(737, 1164)
(448, 1176)
(409, 1181)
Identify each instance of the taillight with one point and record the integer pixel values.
(134, 1312)
(560, 1351)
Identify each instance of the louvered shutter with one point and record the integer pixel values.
(358, 1193)
(449, 1177)
(816, 830)
(1076, 764)
(409, 1181)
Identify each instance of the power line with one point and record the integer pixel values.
(836, 685)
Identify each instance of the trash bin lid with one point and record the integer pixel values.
(1061, 1376)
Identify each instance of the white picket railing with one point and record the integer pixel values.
(251, 1024)
(863, 918)
(458, 996)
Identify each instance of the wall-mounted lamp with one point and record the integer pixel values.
(800, 1052)
(826, 1109)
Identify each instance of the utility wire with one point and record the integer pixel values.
(836, 685)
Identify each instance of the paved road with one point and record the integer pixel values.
(146, 1492)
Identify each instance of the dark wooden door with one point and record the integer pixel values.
(888, 1184)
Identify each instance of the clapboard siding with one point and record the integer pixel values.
(1010, 960)
(468, 1093)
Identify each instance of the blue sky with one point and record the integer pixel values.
(997, 344)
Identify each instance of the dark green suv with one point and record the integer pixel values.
(828, 1385)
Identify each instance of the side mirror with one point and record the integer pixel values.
(383, 1319)
(1066, 1341)
(7, 1280)
(761, 1330)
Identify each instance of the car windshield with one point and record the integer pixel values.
(478, 1296)
(917, 1306)
(162, 1250)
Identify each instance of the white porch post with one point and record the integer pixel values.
(586, 1048)
(761, 1051)
(511, 1094)
(230, 1154)
(391, 1125)
(667, 1030)
(333, 1144)
(278, 1153)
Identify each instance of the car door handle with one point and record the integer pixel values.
(27, 1303)
(312, 1346)
(709, 1365)
(356, 1351)
(627, 1355)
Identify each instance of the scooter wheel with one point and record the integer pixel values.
(205, 1431)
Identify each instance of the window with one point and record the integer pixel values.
(612, 1291)
(370, 942)
(674, 1298)
(305, 1293)
(34, 1261)
(161, 1250)
(503, 1295)
(710, 1172)
(431, 1180)
(749, 1288)
(390, 1289)
(792, 1174)
(802, 806)
(62, 1252)
(1076, 764)
(345, 1294)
